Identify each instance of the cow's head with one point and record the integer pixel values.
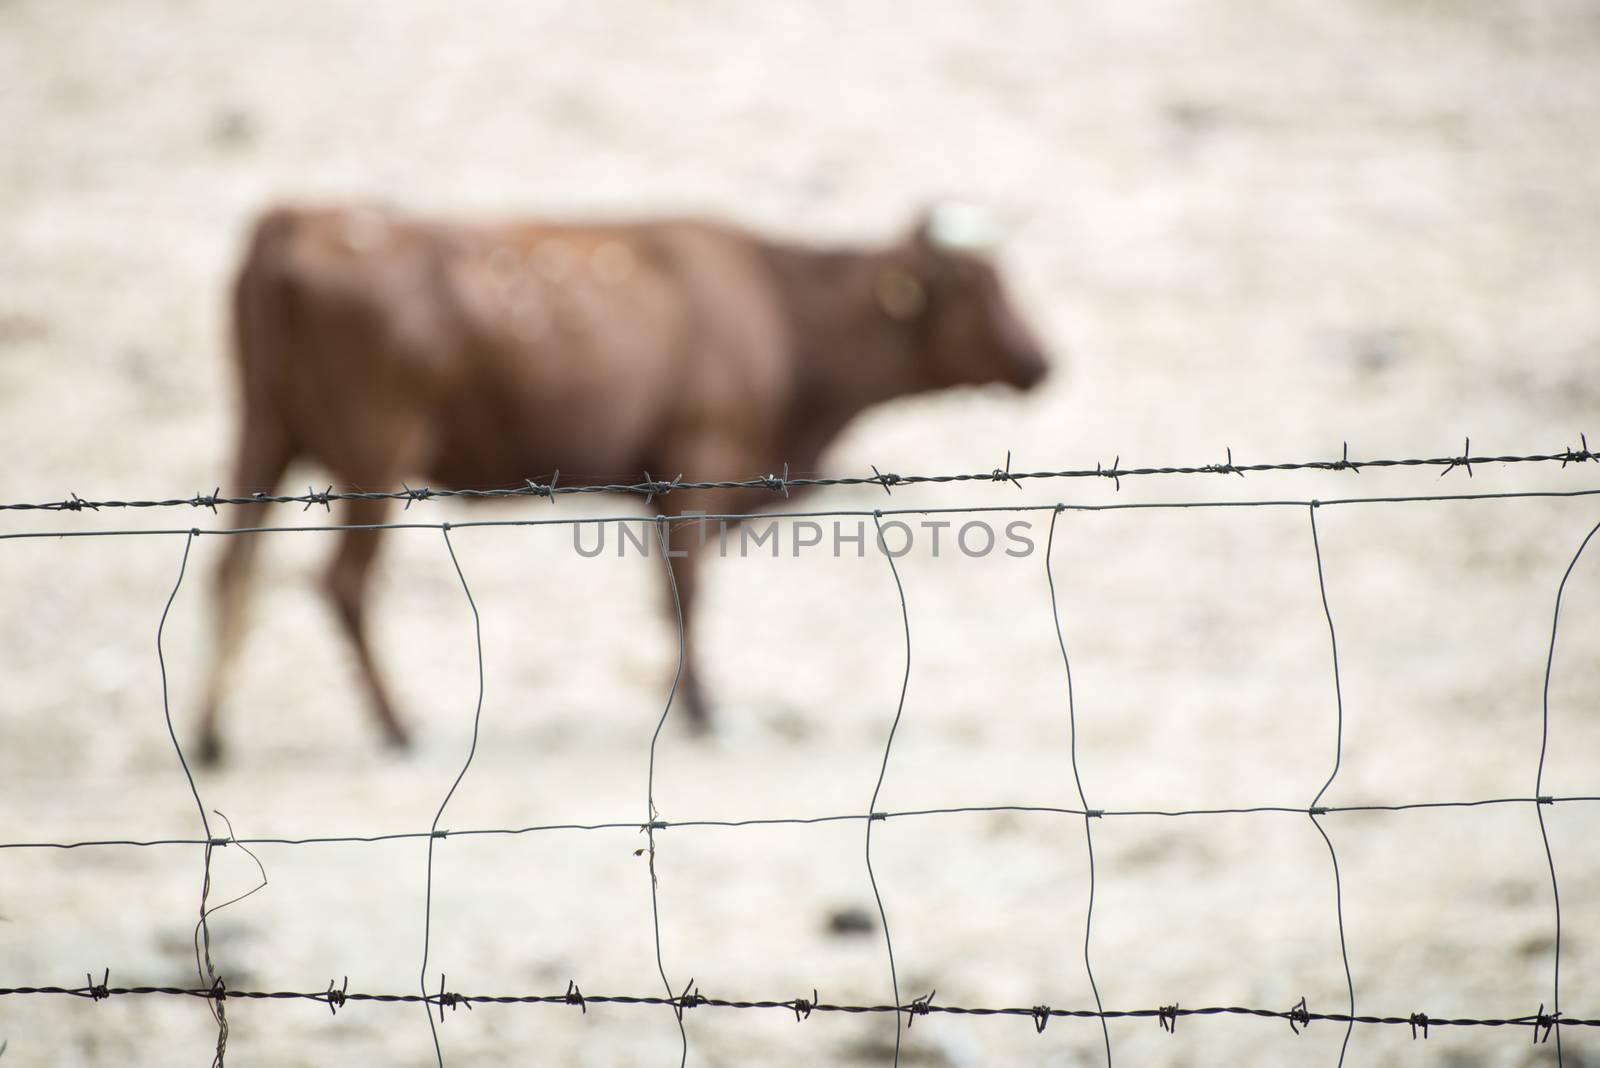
(942, 289)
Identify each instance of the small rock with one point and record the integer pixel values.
(232, 128)
(851, 921)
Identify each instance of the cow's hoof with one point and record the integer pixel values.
(208, 750)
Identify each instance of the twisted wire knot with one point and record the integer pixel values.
(1548, 1021)
(336, 998)
(1580, 455)
(1464, 460)
(98, 991)
(1299, 1016)
(445, 999)
(776, 483)
(919, 1006)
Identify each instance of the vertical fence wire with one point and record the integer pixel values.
(661, 526)
(204, 966)
(434, 834)
(1338, 753)
(1538, 804)
(883, 770)
(1088, 832)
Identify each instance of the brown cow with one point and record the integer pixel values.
(387, 347)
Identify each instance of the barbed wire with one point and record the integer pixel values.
(212, 988)
(338, 997)
(783, 484)
(829, 513)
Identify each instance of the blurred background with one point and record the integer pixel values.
(1275, 228)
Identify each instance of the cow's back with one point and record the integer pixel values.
(388, 345)
(345, 335)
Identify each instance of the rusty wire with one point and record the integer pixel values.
(214, 991)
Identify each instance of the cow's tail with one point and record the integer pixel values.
(262, 336)
(265, 448)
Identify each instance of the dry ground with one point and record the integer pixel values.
(1270, 227)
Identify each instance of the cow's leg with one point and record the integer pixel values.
(696, 539)
(264, 453)
(347, 588)
(684, 538)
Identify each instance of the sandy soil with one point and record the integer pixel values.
(1273, 230)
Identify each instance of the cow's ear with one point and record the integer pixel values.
(901, 295)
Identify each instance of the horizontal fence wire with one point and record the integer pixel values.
(651, 488)
(437, 996)
(830, 513)
(803, 821)
(337, 997)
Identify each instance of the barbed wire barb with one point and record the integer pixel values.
(778, 484)
(98, 991)
(1464, 460)
(336, 997)
(1004, 475)
(1300, 1016)
(1344, 463)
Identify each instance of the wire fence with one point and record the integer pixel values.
(650, 488)
(433, 994)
